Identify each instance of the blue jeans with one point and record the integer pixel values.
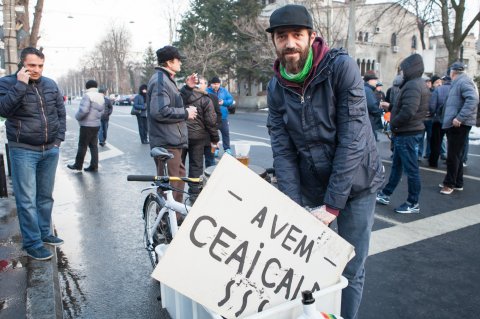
(33, 178)
(405, 158)
(209, 158)
(225, 130)
(355, 223)
(102, 132)
(428, 132)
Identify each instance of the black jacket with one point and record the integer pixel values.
(204, 126)
(166, 114)
(35, 113)
(323, 146)
(412, 105)
(108, 109)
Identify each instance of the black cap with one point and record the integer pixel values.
(168, 53)
(291, 15)
(457, 66)
(370, 75)
(215, 79)
(102, 89)
(379, 84)
(434, 78)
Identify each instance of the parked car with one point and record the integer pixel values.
(124, 100)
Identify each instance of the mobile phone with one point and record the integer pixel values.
(20, 66)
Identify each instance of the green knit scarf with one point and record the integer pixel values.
(299, 77)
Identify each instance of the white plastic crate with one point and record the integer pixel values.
(327, 300)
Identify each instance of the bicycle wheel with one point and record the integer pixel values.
(161, 234)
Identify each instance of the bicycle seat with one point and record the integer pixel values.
(161, 153)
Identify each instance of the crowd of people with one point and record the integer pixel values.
(423, 112)
(323, 122)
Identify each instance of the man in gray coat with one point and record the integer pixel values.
(88, 116)
(459, 117)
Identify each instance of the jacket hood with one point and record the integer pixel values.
(412, 67)
(398, 80)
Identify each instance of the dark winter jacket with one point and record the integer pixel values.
(374, 111)
(412, 106)
(204, 126)
(323, 146)
(227, 98)
(166, 114)
(216, 107)
(108, 109)
(437, 101)
(35, 113)
(139, 104)
(462, 102)
(394, 92)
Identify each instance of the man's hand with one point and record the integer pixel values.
(192, 112)
(220, 102)
(456, 123)
(322, 215)
(384, 105)
(191, 80)
(23, 75)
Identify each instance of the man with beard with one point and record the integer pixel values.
(323, 145)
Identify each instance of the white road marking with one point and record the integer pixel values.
(125, 128)
(405, 234)
(388, 220)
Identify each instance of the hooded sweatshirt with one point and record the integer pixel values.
(412, 105)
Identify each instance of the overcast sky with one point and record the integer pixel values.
(71, 28)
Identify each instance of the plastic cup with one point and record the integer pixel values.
(242, 151)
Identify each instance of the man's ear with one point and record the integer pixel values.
(313, 36)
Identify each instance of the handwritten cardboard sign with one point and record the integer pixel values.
(245, 247)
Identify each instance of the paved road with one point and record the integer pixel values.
(420, 265)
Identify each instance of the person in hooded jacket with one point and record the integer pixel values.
(324, 151)
(200, 130)
(407, 127)
(140, 105)
(88, 116)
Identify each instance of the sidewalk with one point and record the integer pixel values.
(28, 288)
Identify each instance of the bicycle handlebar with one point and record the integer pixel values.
(164, 179)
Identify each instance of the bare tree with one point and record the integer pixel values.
(119, 39)
(29, 36)
(201, 54)
(172, 13)
(454, 37)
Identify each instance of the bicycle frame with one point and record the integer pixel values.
(172, 206)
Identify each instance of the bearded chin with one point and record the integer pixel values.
(294, 67)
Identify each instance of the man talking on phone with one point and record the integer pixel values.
(35, 112)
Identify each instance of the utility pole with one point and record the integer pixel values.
(10, 38)
(351, 29)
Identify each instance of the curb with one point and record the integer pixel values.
(30, 288)
(44, 298)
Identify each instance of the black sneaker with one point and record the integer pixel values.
(52, 240)
(74, 167)
(90, 169)
(40, 253)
